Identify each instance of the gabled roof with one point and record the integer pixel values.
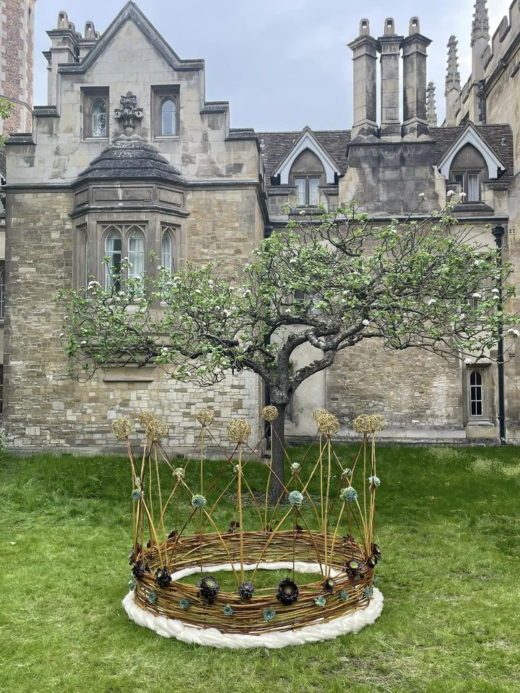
(469, 134)
(307, 140)
(277, 146)
(131, 12)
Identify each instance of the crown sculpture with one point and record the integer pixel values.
(317, 538)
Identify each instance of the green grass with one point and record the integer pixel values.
(448, 524)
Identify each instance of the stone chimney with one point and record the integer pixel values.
(415, 47)
(365, 78)
(390, 49)
(89, 40)
(64, 49)
(431, 106)
(453, 89)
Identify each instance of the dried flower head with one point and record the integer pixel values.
(184, 604)
(295, 468)
(287, 592)
(246, 590)
(137, 494)
(328, 425)
(122, 428)
(320, 601)
(369, 423)
(208, 589)
(316, 413)
(145, 417)
(156, 430)
(227, 610)
(349, 494)
(239, 430)
(329, 585)
(198, 501)
(296, 499)
(132, 584)
(270, 413)
(180, 473)
(374, 482)
(205, 417)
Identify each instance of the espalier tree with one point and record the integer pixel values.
(331, 281)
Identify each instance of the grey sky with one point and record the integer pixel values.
(282, 64)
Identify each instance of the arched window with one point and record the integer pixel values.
(476, 393)
(468, 172)
(307, 174)
(136, 253)
(99, 118)
(168, 117)
(167, 260)
(113, 251)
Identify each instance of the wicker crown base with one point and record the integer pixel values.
(351, 622)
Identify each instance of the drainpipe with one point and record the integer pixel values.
(498, 233)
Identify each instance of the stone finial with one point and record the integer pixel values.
(431, 106)
(90, 30)
(63, 20)
(452, 72)
(480, 27)
(364, 27)
(129, 113)
(389, 27)
(415, 26)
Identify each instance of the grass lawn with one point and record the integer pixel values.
(450, 533)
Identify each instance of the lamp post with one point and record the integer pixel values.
(498, 233)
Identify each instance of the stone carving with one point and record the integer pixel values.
(129, 113)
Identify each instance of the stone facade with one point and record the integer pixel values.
(218, 191)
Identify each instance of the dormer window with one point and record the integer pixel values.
(468, 173)
(307, 174)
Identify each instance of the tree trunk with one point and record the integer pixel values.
(278, 460)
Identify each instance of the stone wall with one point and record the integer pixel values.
(44, 407)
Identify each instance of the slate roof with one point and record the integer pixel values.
(275, 146)
(498, 137)
(130, 159)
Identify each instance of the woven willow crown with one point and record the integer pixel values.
(187, 529)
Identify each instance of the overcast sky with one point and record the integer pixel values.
(282, 64)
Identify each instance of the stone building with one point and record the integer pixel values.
(129, 157)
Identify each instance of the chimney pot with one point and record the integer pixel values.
(415, 25)
(389, 27)
(364, 27)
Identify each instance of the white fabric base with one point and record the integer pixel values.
(172, 628)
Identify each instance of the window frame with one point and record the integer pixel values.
(307, 178)
(168, 232)
(488, 405)
(89, 97)
(161, 94)
(464, 174)
(108, 282)
(139, 232)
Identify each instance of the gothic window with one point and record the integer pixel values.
(165, 111)
(113, 259)
(167, 259)
(468, 173)
(307, 174)
(476, 393)
(99, 118)
(136, 253)
(168, 117)
(95, 113)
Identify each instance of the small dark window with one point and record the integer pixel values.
(476, 393)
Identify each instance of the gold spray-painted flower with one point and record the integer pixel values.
(239, 430)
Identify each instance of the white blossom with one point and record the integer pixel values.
(463, 195)
(468, 362)
(366, 322)
(421, 194)
(451, 193)
(288, 310)
(477, 296)
(495, 291)
(513, 333)
(431, 301)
